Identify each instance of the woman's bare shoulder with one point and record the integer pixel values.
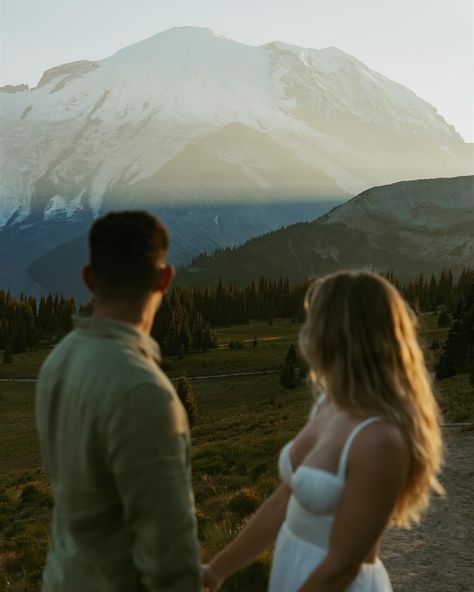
(382, 442)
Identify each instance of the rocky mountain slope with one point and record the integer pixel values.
(409, 227)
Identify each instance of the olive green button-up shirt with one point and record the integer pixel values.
(115, 444)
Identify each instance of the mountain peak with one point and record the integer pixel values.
(176, 37)
(189, 30)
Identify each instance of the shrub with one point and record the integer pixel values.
(8, 355)
(253, 578)
(216, 535)
(31, 496)
(444, 319)
(185, 393)
(243, 503)
(290, 375)
(257, 471)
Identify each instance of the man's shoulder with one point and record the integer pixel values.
(125, 369)
(147, 372)
(107, 364)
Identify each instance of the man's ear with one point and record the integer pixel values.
(88, 277)
(164, 280)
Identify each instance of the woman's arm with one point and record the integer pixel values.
(378, 467)
(258, 535)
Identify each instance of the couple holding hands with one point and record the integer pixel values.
(115, 440)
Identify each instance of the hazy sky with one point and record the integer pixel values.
(427, 45)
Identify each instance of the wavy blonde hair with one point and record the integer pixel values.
(360, 340)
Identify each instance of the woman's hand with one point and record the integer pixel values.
(211, 581)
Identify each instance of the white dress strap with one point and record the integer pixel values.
(348, 443)
(316, 406)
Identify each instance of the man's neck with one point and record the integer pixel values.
(140, 315)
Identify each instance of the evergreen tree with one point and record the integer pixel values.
(8, 354)
(446, 367)
(444, 320)
(289, 375)
(471, 365)
(19, 339)
(186, 395)
(291, 355)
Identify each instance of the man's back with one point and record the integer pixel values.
(115, 444)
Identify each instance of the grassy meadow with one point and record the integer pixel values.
(242, 423)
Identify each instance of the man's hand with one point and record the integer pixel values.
(211, 580)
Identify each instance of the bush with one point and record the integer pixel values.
(216, 535)
(290, 375)
(185, 393)
(253, 578)
(243, 503)
(444, 319)
(31, 496)
(8, 355)
(257, 471)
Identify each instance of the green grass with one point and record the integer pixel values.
(24, 365)
(456, 398)
(242, 423)
(18, 444)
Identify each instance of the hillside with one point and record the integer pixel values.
(409, 227)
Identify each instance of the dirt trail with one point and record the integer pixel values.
(438, 556)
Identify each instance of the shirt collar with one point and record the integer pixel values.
(125, 332)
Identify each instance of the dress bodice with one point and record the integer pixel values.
(315, 492)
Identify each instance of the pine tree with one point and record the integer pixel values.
(444, 320)
(8, 354)
(291, 355)
(471, 365)
(289, 375)
(20, 339)
(446, 367)
(186, 395)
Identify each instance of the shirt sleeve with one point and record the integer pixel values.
(149, 456)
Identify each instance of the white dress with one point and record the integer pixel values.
(303, 539)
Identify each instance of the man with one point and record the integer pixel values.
(114, 436)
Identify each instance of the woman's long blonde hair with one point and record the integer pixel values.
(361, 343)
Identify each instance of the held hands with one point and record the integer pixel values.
(211, 581)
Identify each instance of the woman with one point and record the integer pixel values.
(368, 457)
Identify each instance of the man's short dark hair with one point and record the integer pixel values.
(126, 249)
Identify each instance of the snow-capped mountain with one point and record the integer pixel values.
(188, 122)
(90, 129)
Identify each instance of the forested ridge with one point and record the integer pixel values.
(188, 316)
